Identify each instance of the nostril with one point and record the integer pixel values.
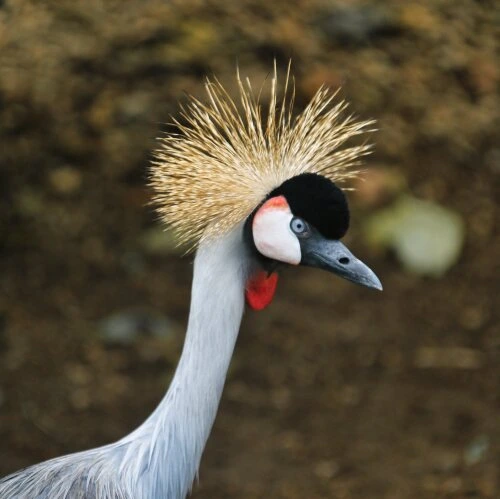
(344, 260)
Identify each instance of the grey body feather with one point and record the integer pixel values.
(160, 459)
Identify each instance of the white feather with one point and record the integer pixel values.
(272, 234)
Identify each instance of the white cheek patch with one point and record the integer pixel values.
(272, 234)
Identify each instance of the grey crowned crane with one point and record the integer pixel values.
(251, 194)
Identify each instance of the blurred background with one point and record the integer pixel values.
(334, 391)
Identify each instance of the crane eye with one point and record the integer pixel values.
(300, 227)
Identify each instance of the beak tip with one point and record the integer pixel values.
(376, 284)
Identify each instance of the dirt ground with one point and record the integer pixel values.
(334, 391)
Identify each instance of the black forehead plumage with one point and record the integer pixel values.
(318, 201)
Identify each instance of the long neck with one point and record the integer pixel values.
(172, 440)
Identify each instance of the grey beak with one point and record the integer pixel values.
(333, 256)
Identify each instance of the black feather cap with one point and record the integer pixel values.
(318, 201)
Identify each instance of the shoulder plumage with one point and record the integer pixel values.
(229, 154)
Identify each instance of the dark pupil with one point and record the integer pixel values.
(298, 226)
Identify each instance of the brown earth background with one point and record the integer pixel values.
(334, 391)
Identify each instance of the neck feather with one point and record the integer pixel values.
(170, 443)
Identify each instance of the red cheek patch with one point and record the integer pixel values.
(260, 290)
(275, 202)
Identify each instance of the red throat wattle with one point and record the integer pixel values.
(260, 289)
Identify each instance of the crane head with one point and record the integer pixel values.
(277, 173)
(301, 222)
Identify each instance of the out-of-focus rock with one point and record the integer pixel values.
(326, 469)
(65, 180)
(448, 358)
(476, 450)
(426, 237)
(474, 317)
(357, 24)
(124, 327)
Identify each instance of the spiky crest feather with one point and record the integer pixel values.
(223, 163)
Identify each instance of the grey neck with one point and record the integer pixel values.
(172, 439)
